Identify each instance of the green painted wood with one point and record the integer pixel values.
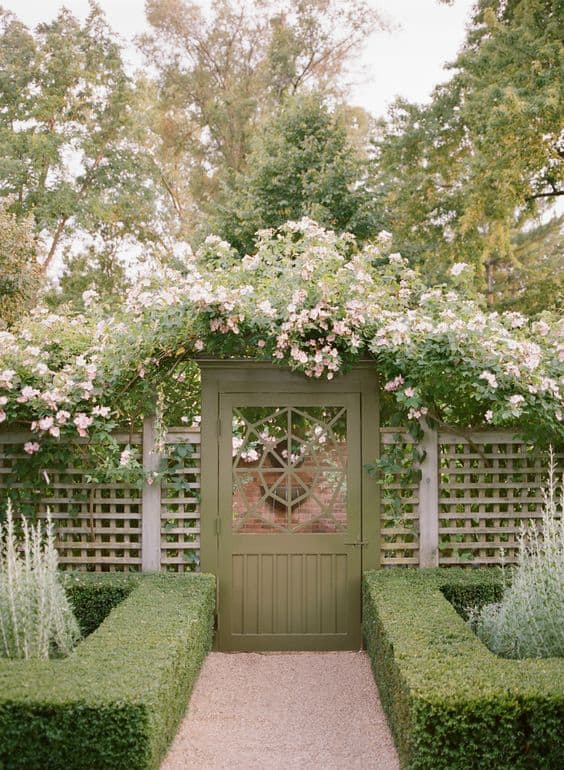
(209, 472)
(287, 591)
(371, 490)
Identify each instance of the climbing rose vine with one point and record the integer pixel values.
(309, 299)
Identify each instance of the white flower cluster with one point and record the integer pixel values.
(309, 298)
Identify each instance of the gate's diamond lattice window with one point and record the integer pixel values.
(289, 469)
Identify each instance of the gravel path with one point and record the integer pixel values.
(284, 711)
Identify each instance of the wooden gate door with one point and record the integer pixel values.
(290, 540)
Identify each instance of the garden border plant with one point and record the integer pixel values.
(450, 702)
(93, 595)
(36, 619)
(116, 701)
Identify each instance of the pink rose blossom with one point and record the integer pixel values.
(6, 378)
(490, 379)
(45, 423)
(27, 393)
(458, 268)
(126, 456)
(31, 447)
(516, 400)
(394, 384)
(101, 411)
(82, 422)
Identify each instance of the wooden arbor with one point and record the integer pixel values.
(289, 518)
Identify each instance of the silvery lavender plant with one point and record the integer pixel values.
(36, 620)
(528, 622)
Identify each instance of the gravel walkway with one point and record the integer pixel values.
(284, 711)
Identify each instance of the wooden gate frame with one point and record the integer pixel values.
(248, 376)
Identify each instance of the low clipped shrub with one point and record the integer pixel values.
(528, 620)
(36, 619)
(93, 597)
(451, 703)
(468, 597)
(116, 701)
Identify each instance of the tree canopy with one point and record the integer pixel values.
(462, 175)
(220, 75)
(70, 153)
(18, 265)
(301, 163)
(240, 121)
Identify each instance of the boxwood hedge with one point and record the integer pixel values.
(93, 596)
(450, 702)
(115, 703)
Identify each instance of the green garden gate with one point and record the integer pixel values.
(289, 518)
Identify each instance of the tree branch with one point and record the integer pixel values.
(61, 226)
(54, 243)
(553, 194)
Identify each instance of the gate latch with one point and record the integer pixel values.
(358, 543)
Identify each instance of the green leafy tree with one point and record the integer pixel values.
(70, 151)
(301, 164)
(18, 265)
(93, 269)
(462, 175)
(534, 280)
(220, 74)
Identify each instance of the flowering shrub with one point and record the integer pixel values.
(307, 298)
(36, 619)
(528, 622)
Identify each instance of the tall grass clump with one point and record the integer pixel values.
(528, 622)
(36, 619)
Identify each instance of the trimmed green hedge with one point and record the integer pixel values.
(463, 595)
(93, 596)
(451, 703)
(115, 703)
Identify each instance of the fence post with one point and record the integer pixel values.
(429, 500)
(151, 502)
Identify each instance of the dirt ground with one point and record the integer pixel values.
(284, 711)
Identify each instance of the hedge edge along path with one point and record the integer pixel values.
(115, 703)
(450, 702)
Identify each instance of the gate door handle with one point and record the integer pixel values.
(358, 543)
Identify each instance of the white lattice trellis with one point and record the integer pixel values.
(98, 527)
(474, 494)
(399, 516)
(180, 502)
(489, 486)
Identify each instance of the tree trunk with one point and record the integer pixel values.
(490, 282)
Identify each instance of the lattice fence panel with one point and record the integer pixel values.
(98, 527)
(488, 488)
(399, 516)
(180, 502)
